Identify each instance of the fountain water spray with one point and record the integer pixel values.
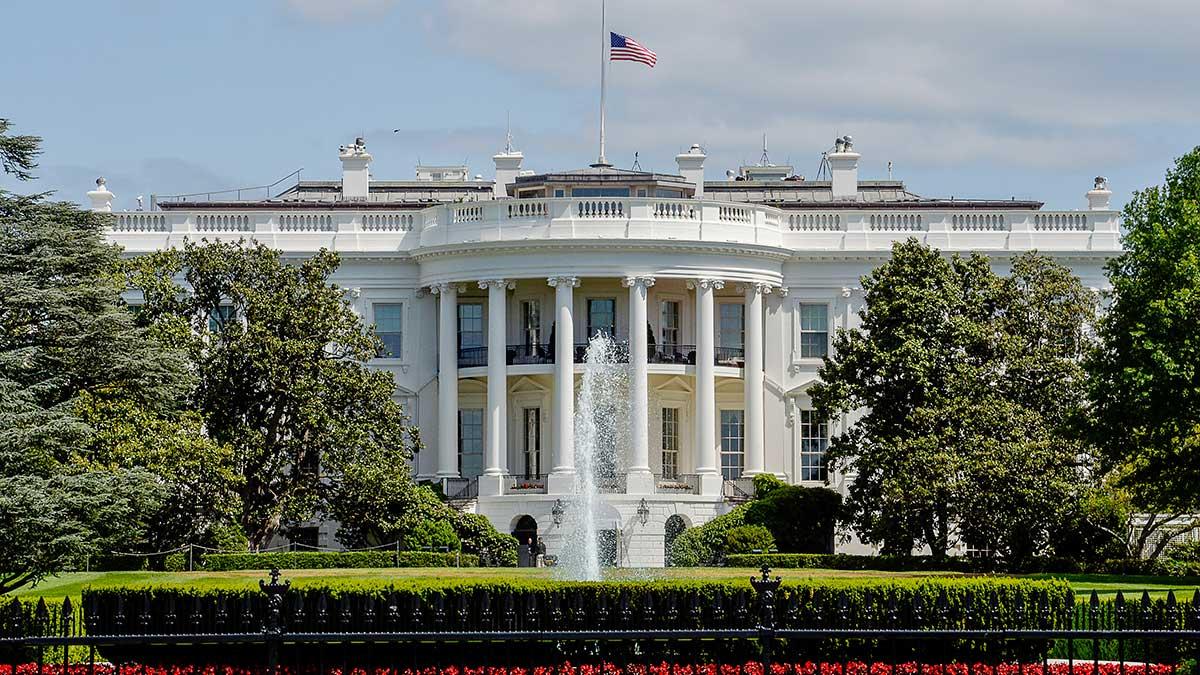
(601, 430)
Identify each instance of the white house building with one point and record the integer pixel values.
(727, 293)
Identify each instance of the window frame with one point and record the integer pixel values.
(811, 466)
(400, 309)
(588, 312)
(727, 441)
(798, 354)
(459, 318)
(741, 305)
(462, 439)
(675, 421)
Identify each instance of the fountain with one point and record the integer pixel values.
(601, 429)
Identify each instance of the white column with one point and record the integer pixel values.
(707, 454)
(639, 480)
(492, 480)
(562, 476)
(752, 379)
(447, 456)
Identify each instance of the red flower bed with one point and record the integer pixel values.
(752, 668)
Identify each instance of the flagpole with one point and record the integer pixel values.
(603, 78)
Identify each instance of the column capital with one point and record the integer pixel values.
(757, 287)
(572, 282)
(645, 282)
(446, 286)
(715, 284)
(497, 283)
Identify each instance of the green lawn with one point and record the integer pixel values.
(71, 584)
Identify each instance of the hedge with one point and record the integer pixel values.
(543, 604)
(314, 560)
(884, 563)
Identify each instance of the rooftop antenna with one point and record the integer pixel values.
(823, 171)
(637, 166)
(889, 169)
(764, 160)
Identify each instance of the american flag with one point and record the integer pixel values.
(623, 48)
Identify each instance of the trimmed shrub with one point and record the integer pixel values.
(433, 535)
(705, 544)
(765, 484)
(312, 560)
(801, 518)
(748, 539)
(493, 547)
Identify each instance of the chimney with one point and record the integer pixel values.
(508, 167)
(1099, 196)
(356, 173)
(843, 168)
(101, 198)
(691, 167)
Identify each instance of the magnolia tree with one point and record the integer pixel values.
(968, 382)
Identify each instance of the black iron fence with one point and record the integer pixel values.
(751, 632)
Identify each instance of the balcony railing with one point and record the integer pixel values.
(472, 357)
(526, 484)
(730, 356)
(620, 352)
(530, 354)
(612, 484)
(682, 354)
(679, 484)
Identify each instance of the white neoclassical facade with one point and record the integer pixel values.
(727, 293)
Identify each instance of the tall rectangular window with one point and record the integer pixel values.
(602, 316)
(389, 327)
(670, 442)
(814, 331)
(733, 325)
(224, 314)
(531, 322)
(814, 442)
(533, 442)
(470, 442)
(733, 444)
(669, 326)
(470, 325)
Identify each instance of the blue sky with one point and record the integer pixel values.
(1022, 98)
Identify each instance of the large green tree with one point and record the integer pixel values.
(960, 384)
(1145, 372)
(279, 356)
(67, 343)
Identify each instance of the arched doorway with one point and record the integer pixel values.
(674, 527)
(525, 530)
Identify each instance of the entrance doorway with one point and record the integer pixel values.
(525, 532)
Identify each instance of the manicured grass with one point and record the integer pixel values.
(71, 584)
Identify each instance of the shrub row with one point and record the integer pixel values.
(884, 563)
(543, 604)
(313, 560)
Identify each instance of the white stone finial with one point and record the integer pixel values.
(101, 198)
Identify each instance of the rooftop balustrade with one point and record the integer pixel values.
(290, 227)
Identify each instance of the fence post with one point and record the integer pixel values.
(765, 587)
(273, 617)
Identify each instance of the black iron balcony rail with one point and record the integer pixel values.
(668, 353)
(530, 354)
(734, 357)
(472, 357)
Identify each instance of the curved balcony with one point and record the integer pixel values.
(543, 354)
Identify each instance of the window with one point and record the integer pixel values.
(733, 453)
(389, 324)
(669, 326)
(641, 192)
(600, 192)
(559, 193)
(670, 442)
(602, 317)
(224, 314)
(814, 331)
(470, 442)
(814, 441)
(533, 442)
(663, 193)
(733, 325)
(470, 325)
(531, 323)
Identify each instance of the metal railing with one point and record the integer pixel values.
(526, 484)
(530, 354)
(472, 357)
(682, 483)
(249, 192)
(460, 488)
(681, 354)
(751, 631)
(734, 357)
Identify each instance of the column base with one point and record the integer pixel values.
(491, 485)
(711, 484)
(561, 483)
(639, 483)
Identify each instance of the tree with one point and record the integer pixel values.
(67, 339)
(279, 355)
(966, 382)
(1145, 370)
